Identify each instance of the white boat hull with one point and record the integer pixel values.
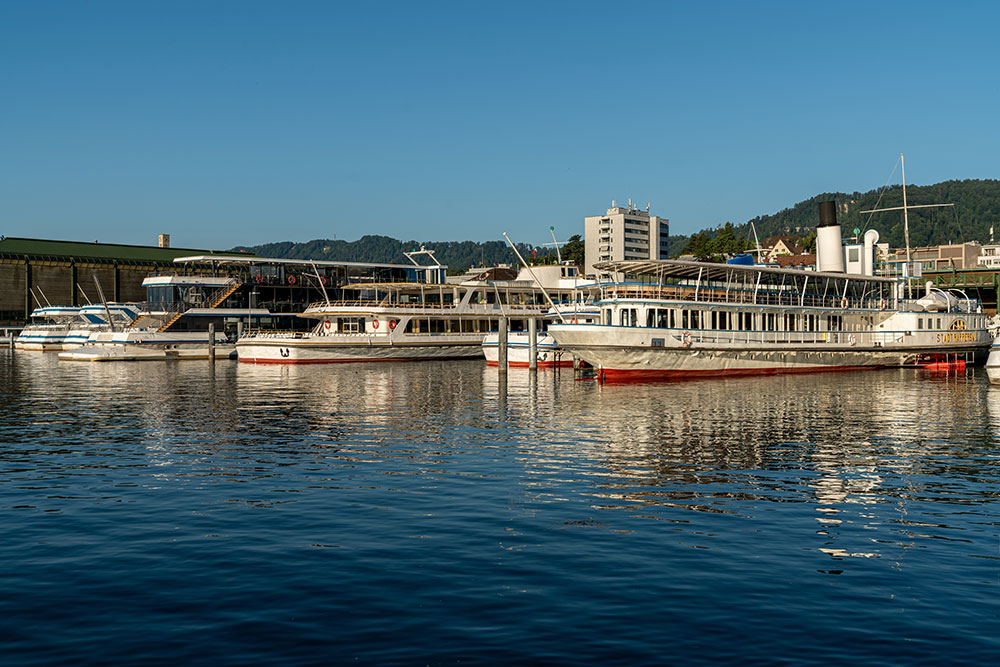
(993, 363)
(149, 346)
(43, 339)
(313, 349)
(547, 352)
(630, 352)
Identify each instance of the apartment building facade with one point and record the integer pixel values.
(624, 233)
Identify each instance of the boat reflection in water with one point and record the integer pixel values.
(698, 508)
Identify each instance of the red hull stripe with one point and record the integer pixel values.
(249, 360)
(612, 375)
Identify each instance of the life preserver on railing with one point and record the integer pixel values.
(322, 279)
(843, 302)
(852, 339)
(881, 304)
(327, 325)
(573, 321)
(374, 324)
(392, 324)
(291, 280)
(686, 339)
(258, 278)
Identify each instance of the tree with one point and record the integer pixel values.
(573, 251)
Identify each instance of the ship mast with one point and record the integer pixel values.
(906, 218)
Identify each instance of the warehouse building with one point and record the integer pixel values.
(36, 272)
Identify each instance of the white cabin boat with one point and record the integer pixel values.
(160, 330)
(49, 328)
(402, 322)
(679, 319)
(558, 279)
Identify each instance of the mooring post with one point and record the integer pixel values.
(211, 342)
(239, 330)
(533, 344)
(502, 346)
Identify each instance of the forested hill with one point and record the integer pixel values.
(976, 208)
(456, 255)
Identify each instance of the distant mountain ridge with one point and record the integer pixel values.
(456, 255)
(976, 209)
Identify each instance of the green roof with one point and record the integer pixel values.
(39, 248)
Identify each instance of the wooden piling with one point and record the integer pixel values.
(211, 342)
(502, 346)
(533, 344)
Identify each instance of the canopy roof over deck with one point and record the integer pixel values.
(712, 271)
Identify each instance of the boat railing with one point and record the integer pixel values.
(434, 308)
(265, 334)
(820, 338)
(780, 298)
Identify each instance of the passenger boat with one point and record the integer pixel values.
(402, 322)
(560, 279)
(48, 329)
(173, 323)
(548, 354)
(678, 319)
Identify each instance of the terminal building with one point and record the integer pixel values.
(37, 272)
(623, 233)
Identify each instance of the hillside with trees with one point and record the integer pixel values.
(976, 209)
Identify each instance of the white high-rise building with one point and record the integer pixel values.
(624, 233)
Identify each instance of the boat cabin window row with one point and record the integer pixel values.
(684, 318)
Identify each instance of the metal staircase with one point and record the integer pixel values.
(211, 301)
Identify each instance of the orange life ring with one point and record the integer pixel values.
(392, 324)
(843, 302)
(327, 325)
(374, 324)
(573, 321)
(258, 278)
(322, 279)
(291, 280)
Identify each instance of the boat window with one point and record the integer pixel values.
(939, 323)
(920, 323)
(351, 324)
(607, 316)
(695, 320)
(684, 319)
(650, 316)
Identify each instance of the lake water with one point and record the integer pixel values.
(430, 513)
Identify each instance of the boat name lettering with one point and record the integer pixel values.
(957, 337)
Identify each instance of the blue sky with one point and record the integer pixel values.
(226, 123)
